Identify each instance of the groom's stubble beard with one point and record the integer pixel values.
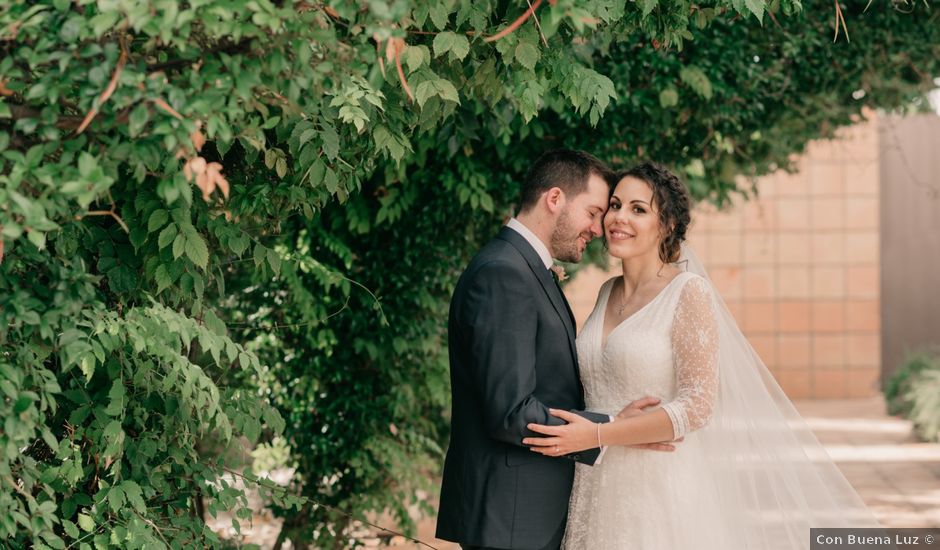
(564, 240)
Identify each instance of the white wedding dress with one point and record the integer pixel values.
(749, 473)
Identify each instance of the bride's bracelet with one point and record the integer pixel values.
(598, 435)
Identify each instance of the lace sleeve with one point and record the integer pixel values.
(695, 351)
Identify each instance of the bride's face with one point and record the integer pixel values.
(632, 226)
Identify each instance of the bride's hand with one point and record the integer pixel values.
(577, 435)
(635, 408)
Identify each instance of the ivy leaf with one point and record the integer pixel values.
(196, 250)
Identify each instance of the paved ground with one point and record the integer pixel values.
(897, 476)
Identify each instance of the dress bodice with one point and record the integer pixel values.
(636, 359)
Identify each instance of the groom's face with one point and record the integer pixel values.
(580, 221)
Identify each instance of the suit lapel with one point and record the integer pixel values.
(548, 284)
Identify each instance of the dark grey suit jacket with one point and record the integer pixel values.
(512, 356)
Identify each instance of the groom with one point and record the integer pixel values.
(512, 356)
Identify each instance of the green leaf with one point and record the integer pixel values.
(116, 399)
(179, 246)
(274, 260)
(697, 80)
(756, 7)
(239, 244)
(436, 87)
(122, 279)
(527, 54)
(103, 22)
(196, 250)
(413, 57)
(133, 493)
(647, 6)
(70, 529)
(443, 42)
(330, 141)
(668, 98)
(87, 366)
(157, 220)
(166, 236)
(260, 254)
(162, 278)
(116, 498)
(38, 238)
(37, 92)
(440, 14)
(460, 47)
(86, 523)
(23, 403)
(138, 119)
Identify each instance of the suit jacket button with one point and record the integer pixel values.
(576, 457)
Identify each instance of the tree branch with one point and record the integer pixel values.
(229, 48)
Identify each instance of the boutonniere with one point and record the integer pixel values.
(560, 272)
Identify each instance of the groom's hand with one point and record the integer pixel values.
(636, 408)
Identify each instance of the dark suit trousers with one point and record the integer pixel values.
(554, 544)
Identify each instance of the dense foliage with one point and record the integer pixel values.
(347, 159)
(913, 391)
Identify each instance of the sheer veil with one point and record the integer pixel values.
(773, 478)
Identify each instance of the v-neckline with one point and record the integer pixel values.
(610, 291)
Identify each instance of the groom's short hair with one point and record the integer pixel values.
(566, 169)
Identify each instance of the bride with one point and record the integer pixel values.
(748, 473)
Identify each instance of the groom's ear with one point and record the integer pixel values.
(555, 200)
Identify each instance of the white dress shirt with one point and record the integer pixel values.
(546, 257)
(533, 240)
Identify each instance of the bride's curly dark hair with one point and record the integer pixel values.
(673, 201)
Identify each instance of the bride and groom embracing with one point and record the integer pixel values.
(656, 427)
